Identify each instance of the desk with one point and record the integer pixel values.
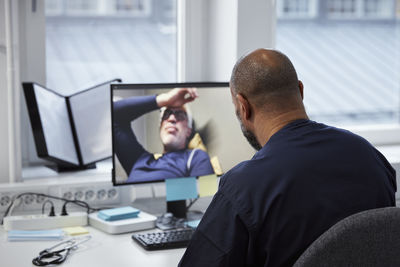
(102, 249)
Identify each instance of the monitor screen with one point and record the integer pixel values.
(152, 144)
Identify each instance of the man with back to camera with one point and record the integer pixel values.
(304, 177)
(175, 130)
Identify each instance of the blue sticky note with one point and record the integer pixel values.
(116, 214)
(193, 224)
(181, 188)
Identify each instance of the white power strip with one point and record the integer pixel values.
(41, 221)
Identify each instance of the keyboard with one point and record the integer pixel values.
(178, 238)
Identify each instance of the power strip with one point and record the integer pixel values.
(41, 221)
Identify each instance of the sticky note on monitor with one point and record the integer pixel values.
(208, 185)
(181, 188)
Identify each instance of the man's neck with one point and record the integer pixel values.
(268, 125)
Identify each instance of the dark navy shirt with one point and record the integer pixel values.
(171, 165)
(269, 209)
(140, 164)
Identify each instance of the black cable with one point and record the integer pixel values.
(76, 202)
(52, 213)
(64, 209)
(192, 201)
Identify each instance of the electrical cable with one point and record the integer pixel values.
(192, 201)
(52, 213)
(76, 202)
(80, 203)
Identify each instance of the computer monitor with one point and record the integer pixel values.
(215, 143)
(71, 131)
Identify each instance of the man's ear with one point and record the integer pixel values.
(301, 89)
(244, 106)
(189, 133)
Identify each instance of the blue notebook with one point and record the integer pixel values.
(118, 214)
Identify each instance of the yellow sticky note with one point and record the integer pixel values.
(77, 230)
(216, 165)
(207, 185)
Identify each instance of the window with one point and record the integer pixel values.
(371, 6)
(99, 7)
(350, 68)
(355, 9)
(89, 42)
(378, 8)
(80, 6)
(342, 8)
(296, 8)
(126, 6)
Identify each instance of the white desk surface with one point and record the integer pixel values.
(101, 250)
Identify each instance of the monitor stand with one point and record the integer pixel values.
(176, 214)
(69, 168)
(177, 208)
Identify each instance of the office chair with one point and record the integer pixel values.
(368, 238)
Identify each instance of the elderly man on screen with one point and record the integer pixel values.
(175, 131)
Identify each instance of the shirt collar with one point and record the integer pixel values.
(289, 126)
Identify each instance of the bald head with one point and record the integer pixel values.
(267, 79)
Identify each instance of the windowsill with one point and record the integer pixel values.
(380, 135)
(391, 153)
(43, 174)
(102, 172)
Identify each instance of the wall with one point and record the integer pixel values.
(217, 33)
(22, 57)
(10, 143)
(3, 97)
(222, 38)
(32, 61)
(259, 31)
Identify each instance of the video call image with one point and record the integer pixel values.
(153, 144)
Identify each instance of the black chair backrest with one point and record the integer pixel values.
(368, 238)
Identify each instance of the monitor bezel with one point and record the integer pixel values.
(150, 86)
